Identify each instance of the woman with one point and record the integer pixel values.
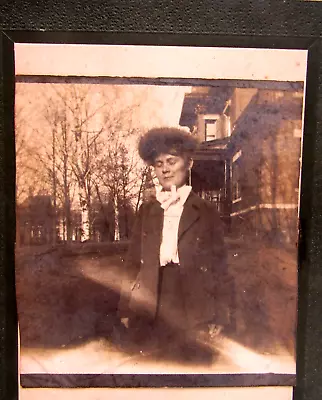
(176, 263)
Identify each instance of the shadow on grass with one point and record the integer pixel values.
(60, 308)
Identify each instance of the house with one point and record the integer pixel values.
(35, 221)
(249, 157)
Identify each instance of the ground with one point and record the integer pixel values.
(67, 297)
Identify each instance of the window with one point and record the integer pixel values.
(227, 126)
(235, 177)
(210, 129)
(226, 115)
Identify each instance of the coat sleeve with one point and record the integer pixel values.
(131, 265)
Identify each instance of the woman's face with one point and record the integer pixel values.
(171, 170)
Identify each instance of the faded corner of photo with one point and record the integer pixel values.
(231, 296)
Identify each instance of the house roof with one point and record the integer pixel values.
(209, 100)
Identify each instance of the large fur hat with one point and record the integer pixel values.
(166, 141)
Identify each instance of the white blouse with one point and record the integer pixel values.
(172, 203)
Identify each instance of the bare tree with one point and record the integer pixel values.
(28, 176)
(92, 151)
(88, 158)
(56, 161)
(72, 153)
(120, 179)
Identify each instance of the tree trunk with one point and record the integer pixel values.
(85, 224)
(116, 220)
(85, 231)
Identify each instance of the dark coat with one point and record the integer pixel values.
(204, 279)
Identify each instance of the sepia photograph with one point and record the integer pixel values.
(157, 212)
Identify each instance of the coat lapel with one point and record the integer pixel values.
(152, 228)
(144, 295)
(190, 214)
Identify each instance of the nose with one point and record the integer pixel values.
(165, 168)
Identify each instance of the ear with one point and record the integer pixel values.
(190, 163)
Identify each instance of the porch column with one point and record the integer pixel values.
(227, 199)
